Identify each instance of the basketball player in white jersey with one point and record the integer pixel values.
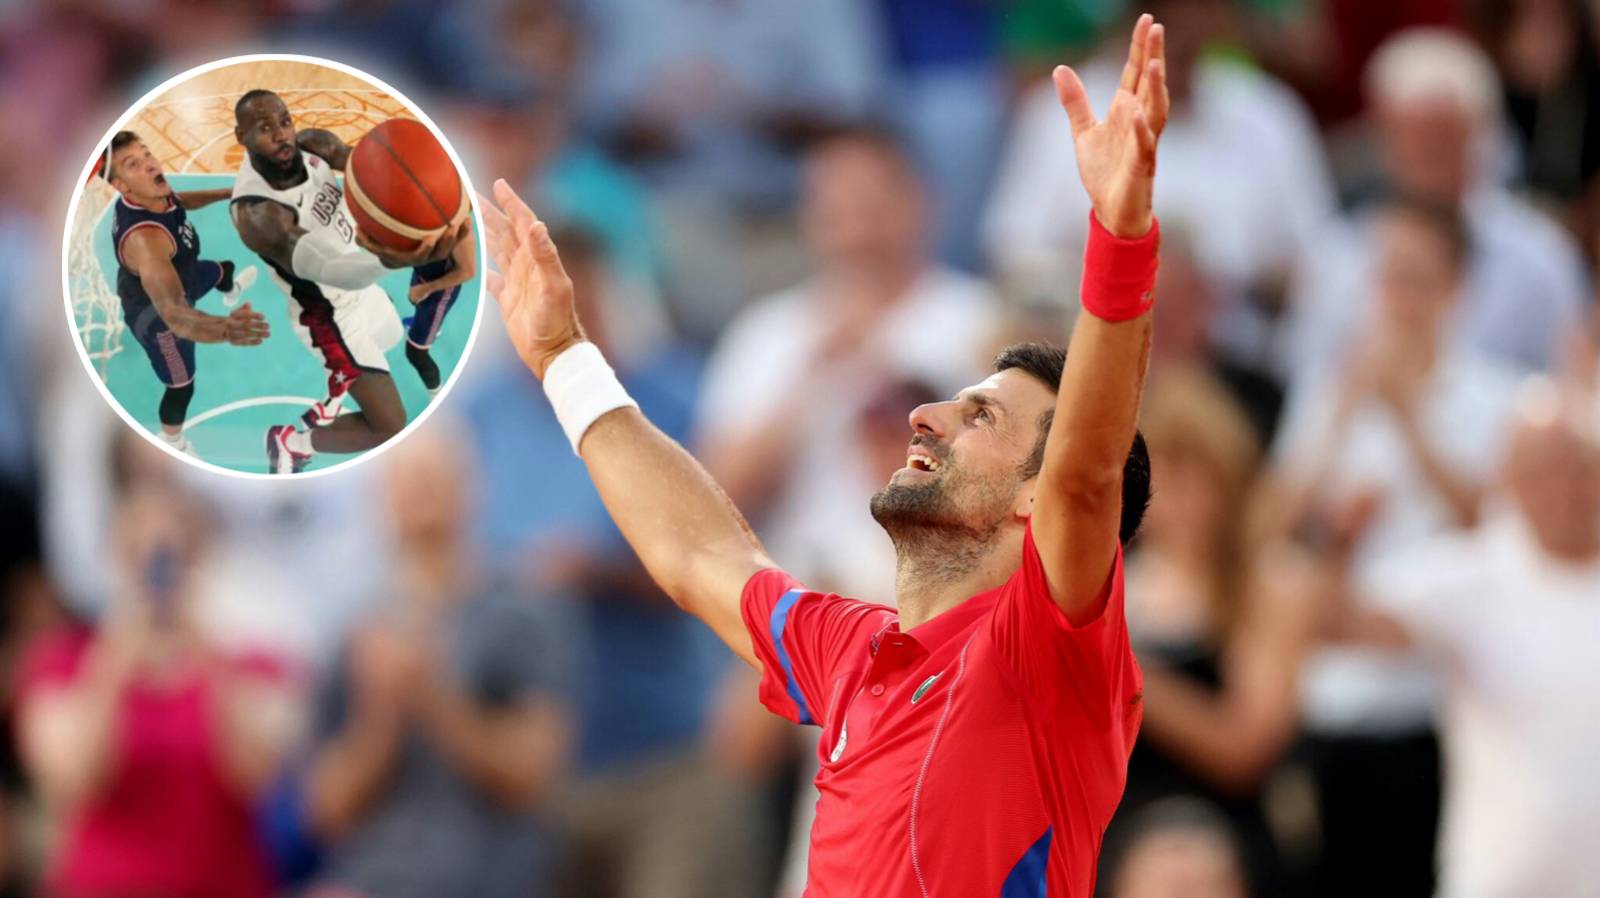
(288, 206)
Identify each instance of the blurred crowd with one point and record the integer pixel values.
(1365, 598)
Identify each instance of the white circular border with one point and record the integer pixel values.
(66, 280)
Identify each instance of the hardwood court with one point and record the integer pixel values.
(190, 126)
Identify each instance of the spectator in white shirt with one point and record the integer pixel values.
(1508, 614)
(1435, 110)
(791, 372)
(1380, 453)
(1402, 413)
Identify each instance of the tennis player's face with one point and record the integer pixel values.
(966, 459)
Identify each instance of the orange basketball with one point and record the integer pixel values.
(401, 185)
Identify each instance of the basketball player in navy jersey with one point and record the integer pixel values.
(289, 208)
(434, 290)
(160, 277)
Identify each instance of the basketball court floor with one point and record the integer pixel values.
(240, 391)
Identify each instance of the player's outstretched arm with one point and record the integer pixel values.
(1078, 500)
(199, 199)
(270, 229)
(690, 537)
(145, 252)
(326, 144)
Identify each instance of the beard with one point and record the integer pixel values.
(942, 528)
(911, 506)
(954, 507)
(286, 173)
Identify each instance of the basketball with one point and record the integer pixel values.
(401, 185)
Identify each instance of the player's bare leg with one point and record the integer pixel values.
(381, 416)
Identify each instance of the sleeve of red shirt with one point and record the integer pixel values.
(804, 640)
(1089, 669)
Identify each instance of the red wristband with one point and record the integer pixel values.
(1119, 276)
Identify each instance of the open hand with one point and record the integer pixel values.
(1117, 156)
(533, 289)
(246, 327)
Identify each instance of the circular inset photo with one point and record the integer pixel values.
(272, 265)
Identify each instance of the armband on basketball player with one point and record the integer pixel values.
(319, 259)
(1119, 275)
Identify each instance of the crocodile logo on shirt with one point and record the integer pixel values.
(926, 685)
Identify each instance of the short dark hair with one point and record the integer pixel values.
(118, 141)
(872, 135)
(249, 97)
(1045, 362)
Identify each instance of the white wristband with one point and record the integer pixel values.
(582, 387)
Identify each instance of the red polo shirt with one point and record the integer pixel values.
(979, 754)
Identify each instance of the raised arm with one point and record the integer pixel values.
(690, 537)
(326, 144)
(145, 251)
(1078, 500)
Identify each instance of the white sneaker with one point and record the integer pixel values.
(180, 443)
(241, 282)
(281, 457)
(323, 413)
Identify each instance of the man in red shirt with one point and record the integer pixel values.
(975, 741)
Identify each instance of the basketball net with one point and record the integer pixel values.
(95, 306)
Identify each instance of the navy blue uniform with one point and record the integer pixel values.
(171, 356)
(430, 312)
